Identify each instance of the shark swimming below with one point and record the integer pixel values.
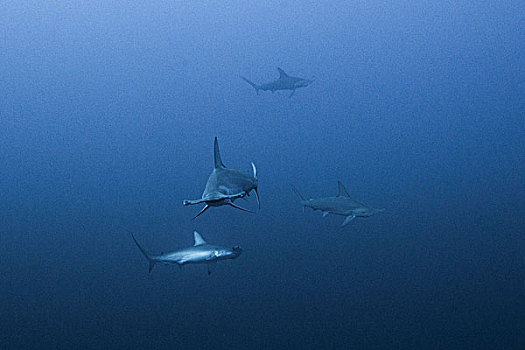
(226, 185)
(200, 253)
(340, 205)
(285, 82)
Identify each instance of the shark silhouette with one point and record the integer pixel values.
(340, 205)
(226, 185)
(285, 82)
(200, 253)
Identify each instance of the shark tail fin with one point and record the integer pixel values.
(296, 191)
(252, 84)
(217, 154)
(150, 259)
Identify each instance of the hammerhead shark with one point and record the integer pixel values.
(285, 82)
(340, 205)
(226, 185)
(200, 253)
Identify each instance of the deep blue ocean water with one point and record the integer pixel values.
(108, 112)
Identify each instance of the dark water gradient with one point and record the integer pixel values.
(107, 118)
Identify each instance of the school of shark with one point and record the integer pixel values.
(226, 185)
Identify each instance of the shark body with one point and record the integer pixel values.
(285, 82)
(225, 185)
(342, 204)
(200, 253)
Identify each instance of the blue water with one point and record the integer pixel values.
(108, 111)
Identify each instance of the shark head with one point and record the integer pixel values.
(303, 82)
(366, 212)
(233, 253)
(225, 185)
(222, 254)
(236, 252)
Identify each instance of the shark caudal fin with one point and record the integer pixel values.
(252, 84)
(217, 155)
(296, 191)
(301, 198)
(151, 261)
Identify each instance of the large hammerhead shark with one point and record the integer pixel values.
(200, 253)
(226, 185)
(340, 205)
(285, 82)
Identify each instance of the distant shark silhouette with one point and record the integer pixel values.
(340, 205)
(226, 185)
(200, 253)
(285, 82)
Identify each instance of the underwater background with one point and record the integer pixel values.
(108, 111)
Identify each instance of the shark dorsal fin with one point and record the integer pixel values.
(217, 155)
(198, 239)
(282, 73)
(341, 192)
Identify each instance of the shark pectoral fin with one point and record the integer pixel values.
(348, 219)
(257, 197)
(201, 212)
(325, 214)
(240, 208)
(293, 92)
